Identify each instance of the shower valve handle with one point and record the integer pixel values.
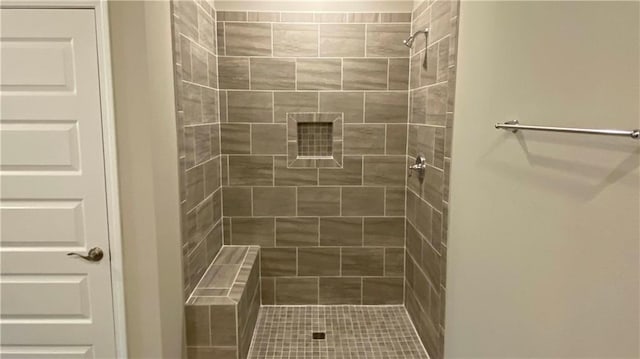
(419, 166)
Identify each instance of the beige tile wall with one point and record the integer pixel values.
(196, 75)
(328, 235)
(430, 133)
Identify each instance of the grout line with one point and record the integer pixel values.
(224, 37)
(209, 321)
(340, 260)
(318, 40)
(273, 113)
(273, 170)
(272, 42)
(251, 138)
(249, 60)
(386, 125)
(230, 231)
(389, 74)
(366, 40)
(384, 201)
(384, 262)
(226, 105)
(362, 171)
(296, 200)
(364, 108)
(251, 199)
(235, 307)
(295, 78)
(297, 264)
(362, 233)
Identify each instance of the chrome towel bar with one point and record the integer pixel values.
(514, 126)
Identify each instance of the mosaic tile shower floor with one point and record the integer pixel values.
(352, 332)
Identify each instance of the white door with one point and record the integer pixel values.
(52, 199)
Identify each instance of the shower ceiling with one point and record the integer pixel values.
(316, 5)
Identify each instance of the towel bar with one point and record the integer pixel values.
(514, 126)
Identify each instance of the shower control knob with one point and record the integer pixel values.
(419, 166)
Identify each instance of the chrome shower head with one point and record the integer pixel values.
(409, 41)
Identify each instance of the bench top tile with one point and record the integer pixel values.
(219, 276)
(231, 255)
(226, 277)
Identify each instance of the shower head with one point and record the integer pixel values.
(409, 41)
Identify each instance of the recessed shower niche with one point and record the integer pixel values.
(314, 139)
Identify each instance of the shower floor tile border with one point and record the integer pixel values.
(352, 332)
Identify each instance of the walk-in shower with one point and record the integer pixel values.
(297, 203)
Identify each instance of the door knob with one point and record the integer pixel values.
(95, 255)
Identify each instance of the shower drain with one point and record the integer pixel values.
(319, 335)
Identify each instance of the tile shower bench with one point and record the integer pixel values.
(222, 310)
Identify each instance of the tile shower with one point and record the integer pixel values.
(295, 133)
(331, 231)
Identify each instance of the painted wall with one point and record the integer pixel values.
(149, 201)
(543, 245)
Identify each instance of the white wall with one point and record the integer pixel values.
(316, 5)
(544, 228)
(148, 169)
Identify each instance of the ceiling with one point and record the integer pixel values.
(316, 5)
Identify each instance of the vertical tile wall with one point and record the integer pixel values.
(328, 236)
(430, 123)
(196, 82)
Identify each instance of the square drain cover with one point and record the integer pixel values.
(319, 335)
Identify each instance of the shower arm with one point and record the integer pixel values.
(426, 43)
(409, 43)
